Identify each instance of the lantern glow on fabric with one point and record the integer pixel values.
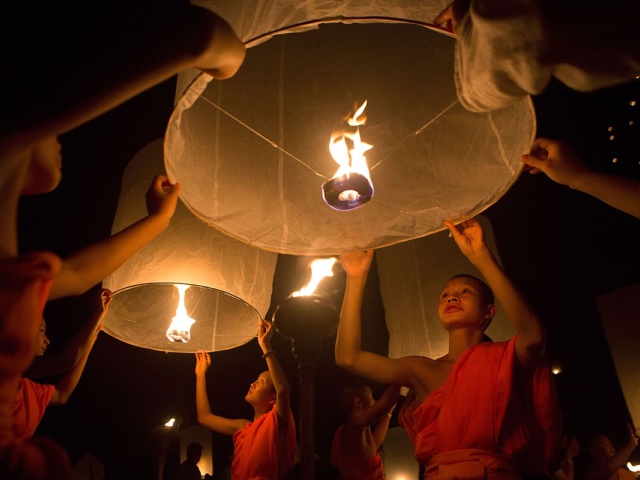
(252, 151)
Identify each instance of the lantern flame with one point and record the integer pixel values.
(178, 331)
(632, 467)
(170, 423)
(351, 159)
(320, 268)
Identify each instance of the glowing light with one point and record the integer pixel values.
(170, 423)
(178, 331)
(632, 103)
(320, 268)
(610, 129)
(556, 370)
(615, 160)
(612, 137)
(351, 185)
(633, 468)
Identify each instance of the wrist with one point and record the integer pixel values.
(267, 353)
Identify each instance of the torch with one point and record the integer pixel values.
(306, 319)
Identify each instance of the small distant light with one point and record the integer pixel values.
(615, 160)
(610, 129)
(556, 370)
(632, 103)
(170, 423)
(612, 137)
(630, 122)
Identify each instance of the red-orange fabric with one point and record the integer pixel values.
(351, 468)
(28, 408)
(256, 455)
(490, 419)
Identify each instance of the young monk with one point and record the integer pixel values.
(32, 398)
(356, 448)
(264, 447)
(483, 410)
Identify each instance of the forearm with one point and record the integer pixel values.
(619, 192)
(531, 332)
(348, 341)
(381, 430)
(140, 56)
(89, 266)
(203, 408)
(68, 383)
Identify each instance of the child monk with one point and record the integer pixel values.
(264, 447)
(356, 448)
(485, 409)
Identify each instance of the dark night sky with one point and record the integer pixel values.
(560, 246)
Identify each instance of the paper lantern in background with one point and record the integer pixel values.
(229, 282)
(253, 154)
(412, 275)
(399, 462)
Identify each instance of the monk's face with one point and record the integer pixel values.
(42, 342)
(462, 304)
(262, 391)
(45, 167)
(601, 449)
(366, 399)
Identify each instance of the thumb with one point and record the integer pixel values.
(531, 160)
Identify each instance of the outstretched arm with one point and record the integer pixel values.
(617, 461)
(68, 383)
(222, 425)
(531, 340)
(90, 265)
(388, 402)
(561, 164)
(278, 377)
(348, 351)
(141, 55)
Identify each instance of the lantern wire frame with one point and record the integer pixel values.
(256, 145)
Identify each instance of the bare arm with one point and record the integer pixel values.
(68, 383)
(90, 265)
(561, 164)
(278, 377)
(389, 400)
(222, 425)
(348, 352)
(54, 363)
(531, 340)
(141, 55)
(616, 462)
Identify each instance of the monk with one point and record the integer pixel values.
(263, 448)
(356, 447)
(485, 410)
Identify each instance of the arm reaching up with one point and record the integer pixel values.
(216, 423)
(87, 267)
(278, 377)
(561, 163)
(531, 340)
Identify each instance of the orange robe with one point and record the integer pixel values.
(490, 419)
(28, 408)
(355, 468)
(255, 449)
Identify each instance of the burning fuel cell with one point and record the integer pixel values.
(351, 186)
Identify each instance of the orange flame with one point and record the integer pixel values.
(350, 159)
(320, 268)
(181, 322)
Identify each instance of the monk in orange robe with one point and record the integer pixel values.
(265, 448)
(484, 410)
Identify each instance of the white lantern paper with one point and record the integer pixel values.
(253, 150)
(398, 457)
(230, 282)
(412, 275)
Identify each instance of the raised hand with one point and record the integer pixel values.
(557, 160)
(469, 237)
(203, 362)
(162, 197)
(265, 333)
(357, 263)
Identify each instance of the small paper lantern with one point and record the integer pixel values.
(229, 282)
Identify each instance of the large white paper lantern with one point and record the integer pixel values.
(253, 150)
(229, 282)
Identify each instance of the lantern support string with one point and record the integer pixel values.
(416, 133)
(271, 142)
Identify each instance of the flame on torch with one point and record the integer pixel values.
(170, 423)
(351, 159)
(180, 324)
(320, 268)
